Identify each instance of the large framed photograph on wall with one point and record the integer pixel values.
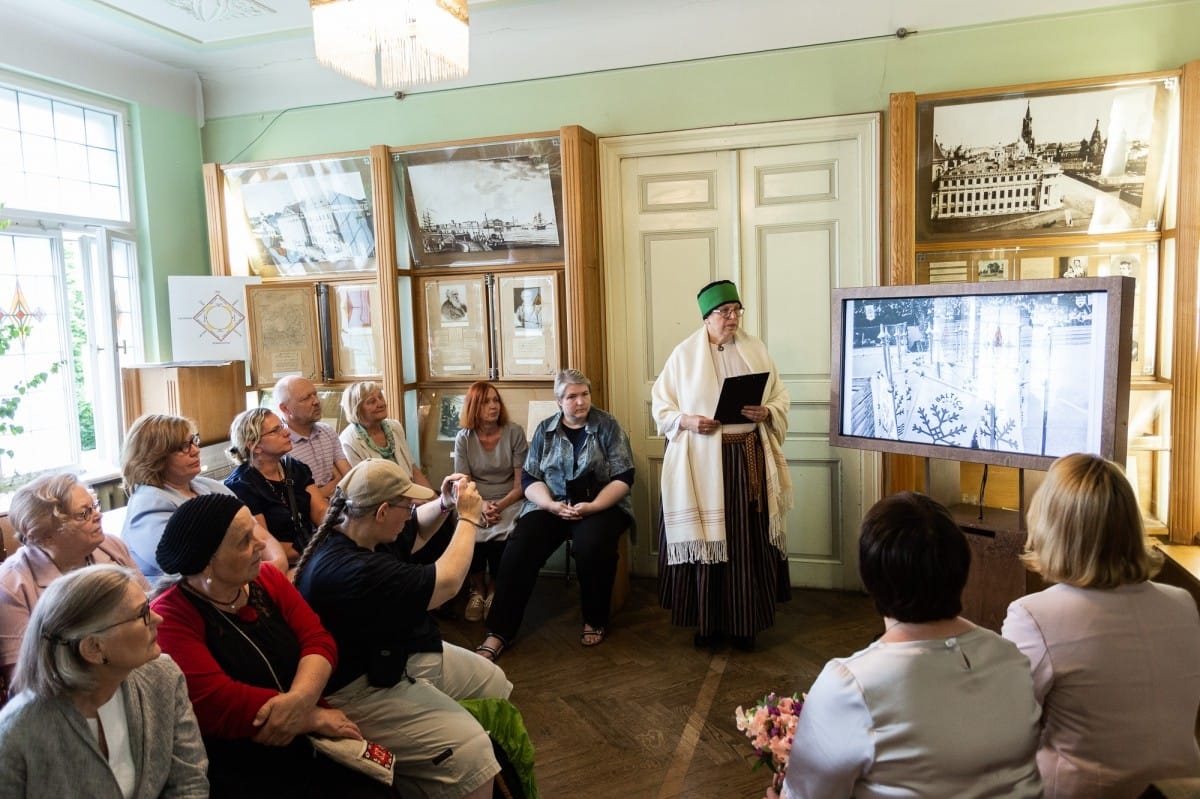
(297, 218)
(488, 203)
(1057, 159)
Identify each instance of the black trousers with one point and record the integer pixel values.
(536, 537)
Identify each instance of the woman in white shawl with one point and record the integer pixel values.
(726, 490)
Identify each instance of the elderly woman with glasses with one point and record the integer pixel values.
(395, 676)
(278, 489)
(100, 712)
(726, 491)
(161, 466)
(57, 521)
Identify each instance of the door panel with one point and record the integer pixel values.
(787, 211)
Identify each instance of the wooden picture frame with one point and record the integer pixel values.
(300, 218)
(356, 330)
(497, 202)
(528, 314)
(284, 338)
(1074, 158)
(455, 319)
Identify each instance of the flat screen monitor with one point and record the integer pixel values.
(1012, 373)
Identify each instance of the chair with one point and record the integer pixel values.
(620, 590)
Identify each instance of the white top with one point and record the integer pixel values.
(1118, 672)
(116, 738)
(943, 718)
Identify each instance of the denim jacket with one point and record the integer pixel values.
(605, 453)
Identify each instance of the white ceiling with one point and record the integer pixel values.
(257, 55)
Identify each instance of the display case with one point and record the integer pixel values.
(505, 222)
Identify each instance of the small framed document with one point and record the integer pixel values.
(737, 393)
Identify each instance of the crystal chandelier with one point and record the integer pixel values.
(392, 43)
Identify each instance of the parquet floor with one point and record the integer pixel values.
(645, 714)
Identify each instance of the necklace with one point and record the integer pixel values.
(720, 348)
(232, 604)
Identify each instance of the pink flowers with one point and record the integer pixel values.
(770, 726)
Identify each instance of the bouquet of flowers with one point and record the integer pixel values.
(770, 726)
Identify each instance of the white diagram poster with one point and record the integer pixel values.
(208, 318)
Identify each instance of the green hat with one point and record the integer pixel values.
(716, 294)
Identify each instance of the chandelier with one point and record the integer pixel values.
(392, 43)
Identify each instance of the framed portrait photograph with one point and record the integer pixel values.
(284, 337)
(491, 203)
(1081, 159)
(527, 307)
(357, 335)
(456, 327)
(296, 218)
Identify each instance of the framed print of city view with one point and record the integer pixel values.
(1063, 159)
(496, 202)
(300, 218)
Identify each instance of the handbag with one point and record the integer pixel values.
(366, 757)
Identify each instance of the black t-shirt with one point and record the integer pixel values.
(374, 604)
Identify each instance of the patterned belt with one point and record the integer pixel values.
(750, 449)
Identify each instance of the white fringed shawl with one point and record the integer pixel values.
(693, 494)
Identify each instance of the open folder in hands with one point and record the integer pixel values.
(737, 393)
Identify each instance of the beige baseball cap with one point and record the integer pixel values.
(376, 481)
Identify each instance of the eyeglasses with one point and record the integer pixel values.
(143, 614)
(87, 513)
(191, 441)
(729, 313)
(406, 506)
(274, 431)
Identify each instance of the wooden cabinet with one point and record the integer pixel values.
(210, 394)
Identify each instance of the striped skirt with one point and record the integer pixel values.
(736, 597)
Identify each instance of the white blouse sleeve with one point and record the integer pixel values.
(833, 746)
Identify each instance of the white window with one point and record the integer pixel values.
(68, 280)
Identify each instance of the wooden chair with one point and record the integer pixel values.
(620, 590)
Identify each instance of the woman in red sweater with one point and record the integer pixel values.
(255, 656)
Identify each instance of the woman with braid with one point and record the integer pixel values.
(359, 575)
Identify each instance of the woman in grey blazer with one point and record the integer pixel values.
(101, 712)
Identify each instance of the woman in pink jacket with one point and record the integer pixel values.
(1115, 657)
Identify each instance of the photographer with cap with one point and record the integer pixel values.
(395, 675)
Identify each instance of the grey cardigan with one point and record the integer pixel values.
(46, 748)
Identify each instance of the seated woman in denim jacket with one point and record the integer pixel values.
(577, 478)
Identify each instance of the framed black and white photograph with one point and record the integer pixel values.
(992, 269)
(456, 328)
(1073, 266)
(528, 325)
(449, 414)
(1079, 159)
(490, 203)
(299, 218)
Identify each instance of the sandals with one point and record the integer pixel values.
(491, 653)
(592, 637)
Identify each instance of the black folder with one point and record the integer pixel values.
(737, 393)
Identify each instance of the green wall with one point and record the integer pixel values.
(786, 84)
(172, 227)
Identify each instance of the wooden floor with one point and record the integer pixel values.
(645, 714)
